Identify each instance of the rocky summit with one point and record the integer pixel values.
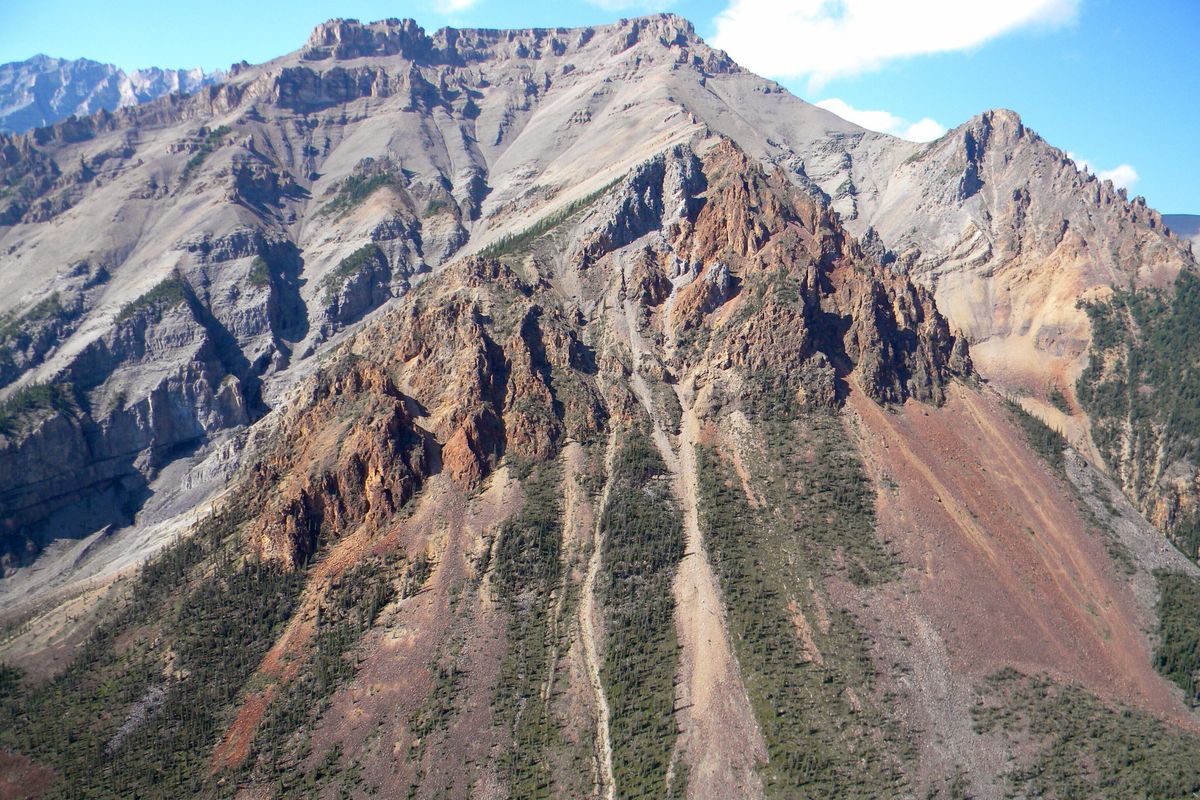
(573, 413)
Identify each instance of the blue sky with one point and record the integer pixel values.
(1111, 81)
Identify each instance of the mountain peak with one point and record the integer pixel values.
(348, 38)
(344, 39)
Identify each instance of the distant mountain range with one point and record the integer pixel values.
(42, 90)
(1186, 225)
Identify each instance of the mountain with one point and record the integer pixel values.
(41, 91)
(571, 412)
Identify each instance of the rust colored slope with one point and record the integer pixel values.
(282, 662)
(21, 778)
(1006, 570)
(371, 716)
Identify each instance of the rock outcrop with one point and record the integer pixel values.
(349, 453)
(809, 295)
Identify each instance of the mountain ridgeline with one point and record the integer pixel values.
(41, 91)
(571, 413)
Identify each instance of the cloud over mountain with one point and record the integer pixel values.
(822, 39)
(925, 129)
(1123, 176)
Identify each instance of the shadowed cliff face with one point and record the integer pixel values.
(520, 413)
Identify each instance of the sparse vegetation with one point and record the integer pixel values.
(166, 295)
(520, 242)
(1057, 398)
(345, 614)
(33, 399)
(1047, 442)
(196, 622)
(643, 544)
(355, 189)
(1084, 748)
(31, 334)
(1178, 653)
(804, 661)
(528, 572)
(441, 705)
(10, 680)
(333, 281)
(260, 272)
(1142, 386)
(45, 310)
(139, 710)
(770, 395)
(211, 141)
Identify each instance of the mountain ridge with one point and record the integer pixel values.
(574, 413)
(43, 90)
(481, 222)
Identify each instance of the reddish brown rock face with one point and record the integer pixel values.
(351, 455)
(809, 302)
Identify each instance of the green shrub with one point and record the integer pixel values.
(1058, 399)
(528, 572)
(192, 630)
(1081, 747)
(1178, 653)
(347, 268)
(1142, 384)
(520, 242)
(10, 680)
(211, 141)
(260, 272)
(166, 295)
(194, 626)
(815, 511)
(49, 308)
(355, 189)
(33, 399)
(642, 545)
(349, 609)
(1047, 442)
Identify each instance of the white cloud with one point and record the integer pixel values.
(1123, 176)
(824, 39)
(617, 5)
(452, 6)
(923, 130)
(633, 6)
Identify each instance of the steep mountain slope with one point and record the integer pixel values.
(266, 235)
(41, 91)
(521, 416)
(1011, 235)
